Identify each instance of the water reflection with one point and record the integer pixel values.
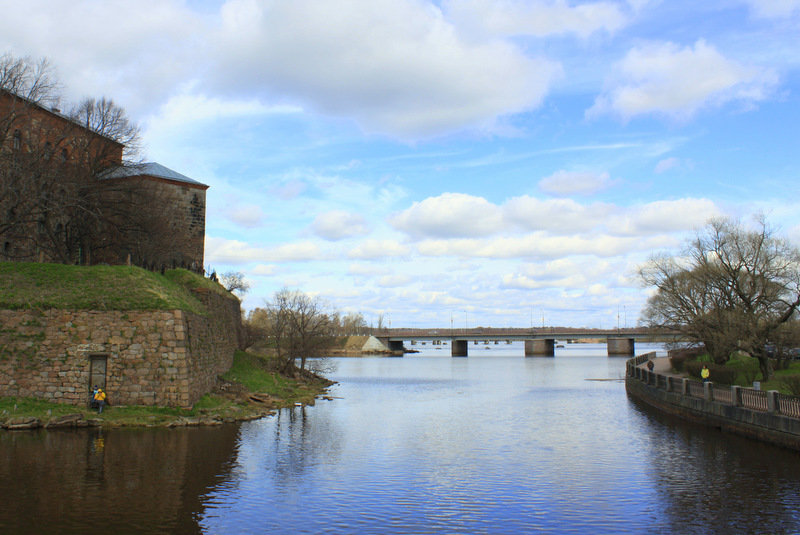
(493, 445)
(714, 482)
(426, 444)
(143, 481)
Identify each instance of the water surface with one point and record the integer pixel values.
(492, 443)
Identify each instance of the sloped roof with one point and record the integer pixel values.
(150, 169)
(56, 112)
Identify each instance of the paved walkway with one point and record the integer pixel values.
(662, 366)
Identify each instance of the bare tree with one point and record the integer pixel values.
(352, 323)
(109, 121)
(53, 203)
(299, 327)
(32, 81)
(732, 290)
(234, 281)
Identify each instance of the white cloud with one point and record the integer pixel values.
(393, 281)
(366, 270)
(395, 66)
(663, 79)
(181, 114)
(263, 270)
(135, 51)
(540, 18)
(450, 215)
(337, 225)
(575, 182)
(192, 107)
(245, 215)
(667, 164)
(774, 8)
(559, 216)
(221, 250)
(541, 245)
(376, 249)
(664, 217)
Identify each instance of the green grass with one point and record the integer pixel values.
(193, 281)
(257, 374)
(118, 416)
(746, 367)
(748, 371)
(38, 285)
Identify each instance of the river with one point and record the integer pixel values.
(491, 443)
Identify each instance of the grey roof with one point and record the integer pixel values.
(150, 169)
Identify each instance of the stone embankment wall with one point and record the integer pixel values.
(153, 357)
(763, 415)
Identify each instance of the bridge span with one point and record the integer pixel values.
(539, 342)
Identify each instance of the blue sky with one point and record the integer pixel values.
(483, 162)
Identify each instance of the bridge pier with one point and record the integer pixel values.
(540, 347)
(620, 347)
(458, 348)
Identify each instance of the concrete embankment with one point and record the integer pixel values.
(358, 346)
(766, 416)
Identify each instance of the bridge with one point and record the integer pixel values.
(538, 341)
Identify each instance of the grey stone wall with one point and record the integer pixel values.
(768, 427)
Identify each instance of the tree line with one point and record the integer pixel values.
(296, 327)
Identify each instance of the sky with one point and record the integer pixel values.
(454, 162)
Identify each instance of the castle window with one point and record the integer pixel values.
(48, 150)
(64, 155)
(17, 144)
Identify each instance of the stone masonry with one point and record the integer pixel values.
(154, 357)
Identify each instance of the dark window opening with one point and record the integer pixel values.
(17, 140)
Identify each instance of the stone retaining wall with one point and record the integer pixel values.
(153, 357)
(766, 426)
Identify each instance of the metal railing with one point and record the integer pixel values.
(722, 394)
(695, 389)
(748, 398)
(789, 405)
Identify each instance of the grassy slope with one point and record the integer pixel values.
(258, 375)
(34, 285)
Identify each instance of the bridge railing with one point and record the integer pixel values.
(770, 401)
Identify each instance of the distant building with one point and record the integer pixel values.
(67, 196)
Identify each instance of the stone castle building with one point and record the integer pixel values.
(68, 196)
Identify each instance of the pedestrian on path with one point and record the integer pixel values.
(705, 373)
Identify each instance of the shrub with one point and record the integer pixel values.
(746, 367)
(718, 374)
(791, 383)
(679, 357)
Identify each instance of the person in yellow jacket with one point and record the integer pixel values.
(100, 399)
(705, 373)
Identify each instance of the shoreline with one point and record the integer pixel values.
(229, 401)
